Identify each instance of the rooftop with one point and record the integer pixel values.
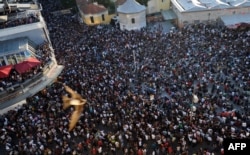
(90, 8)
(13, 5)
(131, 6)
(18, 12)
(201, 5)
(93, 8)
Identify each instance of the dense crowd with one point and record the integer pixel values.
(139, 87)
(19, 21)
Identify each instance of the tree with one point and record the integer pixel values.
(143, 2)
(110, 5)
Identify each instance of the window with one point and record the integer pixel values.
(103, 17)
(133, 20)
(92, 19)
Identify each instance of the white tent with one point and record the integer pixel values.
(132, 15)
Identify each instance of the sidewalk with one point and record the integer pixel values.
(32, 89)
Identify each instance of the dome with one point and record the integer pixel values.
(131, 6)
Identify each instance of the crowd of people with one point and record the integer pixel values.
(139, 87)
(20, 21)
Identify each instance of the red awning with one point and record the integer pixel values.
(33, 62)
(27, 65)
(5, 71)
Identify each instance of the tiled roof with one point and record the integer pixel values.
(90, 8)
(93, 8)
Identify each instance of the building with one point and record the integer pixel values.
(92, 13)
(22, 32)
(230, 13)
(156, 6)
(227, 12)
(132, 15)
(25, 48)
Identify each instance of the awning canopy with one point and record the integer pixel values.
(168, 15)
(27, 65)
(5, 71)
(236, 19)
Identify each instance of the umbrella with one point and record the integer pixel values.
(27, 65)
(33, 62)
(5, 71)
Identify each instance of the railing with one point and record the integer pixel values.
(31, 43)
(18, 89)
(19, 21)
(21, 28)
(11, 96)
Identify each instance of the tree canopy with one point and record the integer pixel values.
(110, 5)
(143, 2)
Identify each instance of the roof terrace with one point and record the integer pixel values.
(200, 5)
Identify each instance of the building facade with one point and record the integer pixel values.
(26, 49)
(156, 6)
(132, 15)
(208, 11)
(93, 13)
(26, 26)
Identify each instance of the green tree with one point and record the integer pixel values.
(143, 2)
(108, 4)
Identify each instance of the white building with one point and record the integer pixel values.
(228, 12)
(23, 32)
(35, 29)
(132, 15)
